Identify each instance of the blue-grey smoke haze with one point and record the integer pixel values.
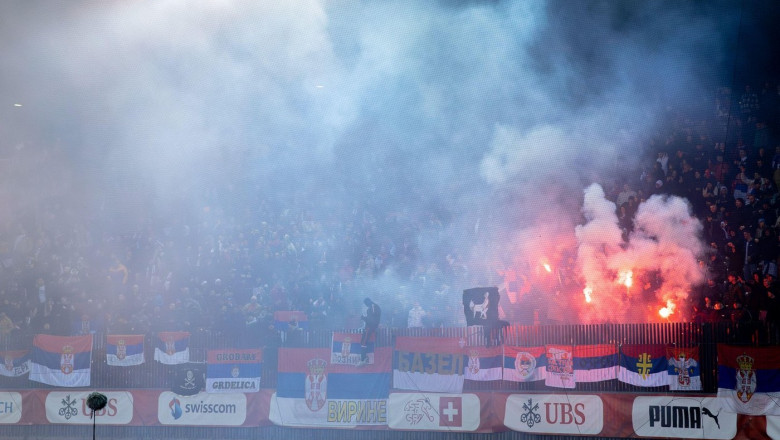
(493, 116)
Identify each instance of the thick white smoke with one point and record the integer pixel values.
(489, 117)
(663, 250)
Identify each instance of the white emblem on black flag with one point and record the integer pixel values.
(480, 305)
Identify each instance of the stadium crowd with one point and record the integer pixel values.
(232, 272)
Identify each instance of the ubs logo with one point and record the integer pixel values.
(110, 410)
(68, 408)
(530, 417)
(71, 408)
(555, 414)
(564, 413)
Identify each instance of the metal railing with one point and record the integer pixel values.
(706, 336)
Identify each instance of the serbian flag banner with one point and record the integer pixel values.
(560, 366)
(311, 391)
(172, 348)
(484, 363)
(15, 363)
(524, 364)
(346, 349)
(61, 360)
(595, 363)
(283, 319)
(429, 364)
(643, 365)
(86, 325)
(749, 379)
(124, 350)
(684, 372)
(233, 370)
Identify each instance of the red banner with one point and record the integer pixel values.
(136, 408)
(684, 416)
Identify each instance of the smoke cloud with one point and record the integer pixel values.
(658, 263)
(489, 115)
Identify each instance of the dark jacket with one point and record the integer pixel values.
(373, 315)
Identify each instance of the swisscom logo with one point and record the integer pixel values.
(227, 409)
(175, 406)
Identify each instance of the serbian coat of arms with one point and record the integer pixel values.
(8, 361)
(746, 378)
(121, 349)
(345, 347)
(67, 359)
(316, 384)
(473, 364)
(170, 346)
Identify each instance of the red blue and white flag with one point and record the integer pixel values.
(86, 325)
(524, 364)
(346, 349)
(484, 363)
(684, 372)
(172, 348)
(63, 361)
(311, 391)
(595, 363)
(560, 366)
(284, 319)
(429, 364)
(643, 365)
(14, 363)
(124, 350)
(233, 370)
(749, 379)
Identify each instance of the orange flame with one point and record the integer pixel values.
(547, 267)
(665, 312)
(626, 278)
(587, 291)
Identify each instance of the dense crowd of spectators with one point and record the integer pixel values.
(227, 272)
(729, 169)
(217, 275)
(210, 270)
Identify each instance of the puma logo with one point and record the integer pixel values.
(708, 413)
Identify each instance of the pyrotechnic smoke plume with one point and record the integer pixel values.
(488, 116)
(664, 246)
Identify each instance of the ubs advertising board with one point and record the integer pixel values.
(70, 407)
(580, 414)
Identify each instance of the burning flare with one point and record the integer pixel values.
(668, 310)
(626, 278)
(587, 291)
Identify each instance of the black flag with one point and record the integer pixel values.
(480, 305)
(188, 379)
